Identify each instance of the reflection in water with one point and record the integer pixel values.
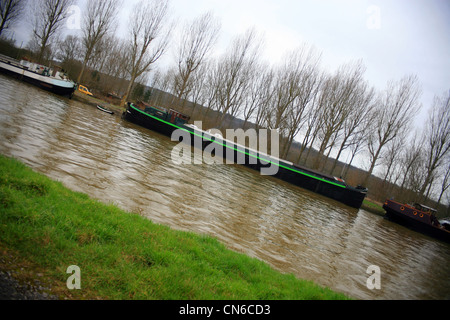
(292, 229)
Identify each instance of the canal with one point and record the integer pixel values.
(292, 229)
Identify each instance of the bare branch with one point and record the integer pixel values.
(146, 25)
(196, 41)
(396, 109)
(98, 22)
(437, 137)
(234, 71)
(10, 11)
(49, 17)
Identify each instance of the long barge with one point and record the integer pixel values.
(167, 121)
(50, 79)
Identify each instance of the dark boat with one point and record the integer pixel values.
(155, 118)
(50, 79)
(417, 217)
(167, 121)
(104, 109)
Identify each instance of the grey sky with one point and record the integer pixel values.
(392, 37)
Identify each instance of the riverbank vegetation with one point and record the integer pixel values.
(323, 117)
(122, 255)
(373, 207)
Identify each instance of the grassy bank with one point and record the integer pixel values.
(123, 255)
(373, 207)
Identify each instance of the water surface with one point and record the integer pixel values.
(292, 229)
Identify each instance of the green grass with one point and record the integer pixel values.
(373, 207)
(123, 255)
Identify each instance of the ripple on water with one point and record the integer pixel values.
(294, 230)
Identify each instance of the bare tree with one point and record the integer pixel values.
(68, 51)
(69, 48)
(264, 97)
(100, 53)
(197, 92)
(412, 155)
(196, 41)
(255, 98)
(160, 80)
(395, 111)
(437, 137)
(416, 177)
(148, 41)
(393, 151)
(98, 22)
(111, 59)
(356, 121)
(308, 82)
(356, 144)
(49, 17)
(210, 88)
(286, 89)
(10, 11)
(115, 62)
(445, 183)
(338, 96)
(313, 124)
(234, 73)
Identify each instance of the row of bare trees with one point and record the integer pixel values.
(329, 114)
(421, 162)
(10, 12)
(46, 18)
(333, 113)
(96, 45)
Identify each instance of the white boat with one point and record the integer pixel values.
(104, 109)
(50, 79)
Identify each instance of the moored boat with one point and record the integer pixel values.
(104, 109)
(417, 217)
(167, 121)
(50, 79)
(155, 118)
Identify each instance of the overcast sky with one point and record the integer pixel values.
(392, 37)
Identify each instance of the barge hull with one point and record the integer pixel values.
(287, 172)
(37, 80)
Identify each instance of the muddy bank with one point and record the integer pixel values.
(12, 289)
(20, 280)
(94, 102)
